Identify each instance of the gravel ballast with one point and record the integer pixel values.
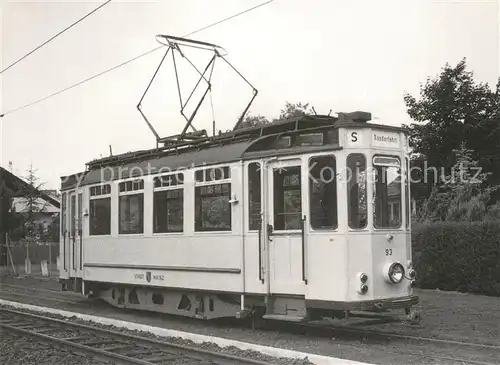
(452, 316)
(230, 350)
(23, 350)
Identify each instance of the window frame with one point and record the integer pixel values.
(199, 184)
(401, 184)
(64, 213)
(309, 186)
(249, 195)
(179, 186)
(139, 191)
(407, 200)
(299, 166)
(348, 193)
(99, 197)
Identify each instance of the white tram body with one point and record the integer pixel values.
(304, 218)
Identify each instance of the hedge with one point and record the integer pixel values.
(461, 256)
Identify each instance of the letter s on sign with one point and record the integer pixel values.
(354, 136)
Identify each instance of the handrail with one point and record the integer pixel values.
(64, 249)
(303, 224)
(74, 250)
(260, 252)
(81, 249)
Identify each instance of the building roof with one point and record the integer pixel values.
(18, 186)
(19, 206)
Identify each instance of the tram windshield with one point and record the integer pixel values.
(387, 192)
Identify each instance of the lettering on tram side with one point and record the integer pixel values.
(385, 139)
(148, 276)
(354, 137)
(388, 251)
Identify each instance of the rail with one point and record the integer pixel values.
(108, 344)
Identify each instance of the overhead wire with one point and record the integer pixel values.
(54, 37)
(131, 60)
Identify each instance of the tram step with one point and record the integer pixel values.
(285, 317)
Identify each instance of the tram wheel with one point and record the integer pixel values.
(414, 316)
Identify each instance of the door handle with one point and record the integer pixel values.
(270, 229)
(261, 279)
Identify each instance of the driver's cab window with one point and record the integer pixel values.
(356, 191)
(287, 198)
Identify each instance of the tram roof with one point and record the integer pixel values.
(244, 143)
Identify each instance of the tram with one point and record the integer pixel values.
(297, 219)
(304, 218)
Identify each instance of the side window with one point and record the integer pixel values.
(100, 210)
(356, 191)
(212, 195)
(323, 192)
(407, 193)
(387, 192)
(72, 212)
(287, 198)
(254, 196)
(131, 207)
(63, 213)
(80, 215)
(168, 204)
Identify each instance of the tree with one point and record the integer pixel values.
(5, 204)
(289, 111)
(31, 203)
(462, 196)
(452, 109)
(253, 120)
(294, 110)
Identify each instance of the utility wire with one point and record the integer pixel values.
(52, 38)
(130, 60)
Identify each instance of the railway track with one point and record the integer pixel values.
(423, 347)
(112, 346)
(458, 352)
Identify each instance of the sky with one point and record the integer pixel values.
(339, 55)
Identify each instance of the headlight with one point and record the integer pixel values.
(412, 274)
(394, 273)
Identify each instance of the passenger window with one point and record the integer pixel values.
(168, 204)
(407, 193)
(100, 210)
(323, 192)
(287, 198)
(213, 211)
(254, 195)
(213, 174)
(356, 191)
(72, 212)
(80, 215)
(63, 213)
(131, 207)
(212, 207)
(387, 192)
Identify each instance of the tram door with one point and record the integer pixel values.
(75, 234)
(285, 227)
(65, 244)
